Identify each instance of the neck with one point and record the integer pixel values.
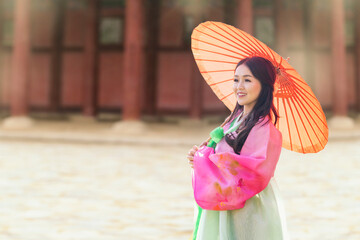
(247, 109)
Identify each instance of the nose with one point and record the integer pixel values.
(240, 85)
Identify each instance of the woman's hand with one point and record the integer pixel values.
(191, 154)
(193, 150)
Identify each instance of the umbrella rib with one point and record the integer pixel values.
(304, 95)
(216, 39)
(242, 55)
(247, 49)
(243, 38)
(247, 46)
(304, 90)
(216, 53)
(261, 47)
(281, 59)
(295, 96)
(307, 133)
(287, 121)
(227, 80)
(298, 80)
(252, 42)
(226, 96)
(272, 54)
(318, 127)
(297, 130)
(311, 125)
(210, 60)
(222, 40)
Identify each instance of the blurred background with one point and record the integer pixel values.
(101, 100)
(94, 57)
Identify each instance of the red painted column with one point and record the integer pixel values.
(90, 63)
(340, 94)
(196, 98)
(134, 54)
(244, 14)
(20, 59)
(357, 54)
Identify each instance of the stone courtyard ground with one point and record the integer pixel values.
(66, 181)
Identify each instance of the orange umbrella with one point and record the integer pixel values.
(218, 47)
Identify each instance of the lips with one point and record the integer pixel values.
(241, 94)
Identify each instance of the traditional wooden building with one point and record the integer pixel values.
(133, 56)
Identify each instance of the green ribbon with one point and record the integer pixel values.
(197, 222)
(216, 135)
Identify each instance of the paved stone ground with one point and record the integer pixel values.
(52, 190)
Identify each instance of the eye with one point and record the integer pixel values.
(236, 80)
(247, 80)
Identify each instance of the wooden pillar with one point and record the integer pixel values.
(152, 15)
(196, 98)
(280, 28)
(91, 57)
(56, 55)
(245, 16)
(196, 93)
(20, 59)
(357, 54)
(340, 86)
(308, 8)
(133, 66)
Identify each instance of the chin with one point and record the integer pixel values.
(242, 103)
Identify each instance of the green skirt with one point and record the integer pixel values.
(262, 218)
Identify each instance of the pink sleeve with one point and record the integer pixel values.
(224, 181)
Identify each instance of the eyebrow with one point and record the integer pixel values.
(244, 76)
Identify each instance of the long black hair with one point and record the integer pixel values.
(263, 70)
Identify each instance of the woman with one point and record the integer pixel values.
(231, 182)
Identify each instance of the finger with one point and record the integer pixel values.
(194, 148)
(191, 153)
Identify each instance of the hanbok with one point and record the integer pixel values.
(259, 214)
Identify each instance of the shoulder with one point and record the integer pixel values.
(263, 135)
(264, 130)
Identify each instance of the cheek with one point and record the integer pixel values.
(257, 90)
(234, 87)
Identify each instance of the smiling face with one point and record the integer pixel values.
(246, 87)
